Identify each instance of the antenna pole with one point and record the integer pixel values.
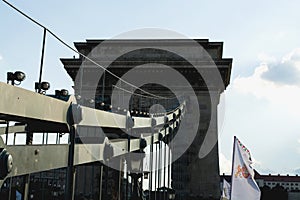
(42, 60)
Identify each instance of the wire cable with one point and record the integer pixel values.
(76, 51)
(136, 94)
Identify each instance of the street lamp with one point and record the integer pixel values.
(135, 162)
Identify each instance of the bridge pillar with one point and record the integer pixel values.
(195, 174)
(192, 177)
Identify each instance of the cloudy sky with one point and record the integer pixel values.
(261, 102)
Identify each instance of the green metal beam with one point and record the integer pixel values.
(47, 114)
(20, 105)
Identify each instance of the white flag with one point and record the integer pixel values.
(243, 185)
(226, 190)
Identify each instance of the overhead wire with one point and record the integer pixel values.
(81, 54)
(137, 94)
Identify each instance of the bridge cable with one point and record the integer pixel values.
(76, 51)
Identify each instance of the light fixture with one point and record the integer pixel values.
(6, 163)
(42, 87)
(143, 144)
(78, 97)
(45, 85)
(172, 194)
(64, 92)
(61, 93)
(19, 76)
(91, 101)
(16, 76)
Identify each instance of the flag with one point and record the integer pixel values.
(243, 185)
(225, 190)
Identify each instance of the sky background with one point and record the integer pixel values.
(262, 102)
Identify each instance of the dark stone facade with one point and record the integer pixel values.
(192, 177)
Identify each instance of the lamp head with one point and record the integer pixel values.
(19, 76)
(45, 85)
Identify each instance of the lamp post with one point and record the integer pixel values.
(135, 162)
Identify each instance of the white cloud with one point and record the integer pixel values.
(298, 148)
(265, 111)
(285, 72)
(297, 171)
(265, 58)
(260, 167)
(276, 91)
(225, 164)
(1, 58)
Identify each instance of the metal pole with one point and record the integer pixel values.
(127, 174)
(165, 159)
(169, 164)
(26, 187)
(92, 181)
(151, 164)
(106, 182)
(127, 183)
(159, 163)
(84, 179)
(156, 164)
(60, 135)
(142, 178)
(6, 132)
(29, 137)
(56, 138)
(100, 184)
(103, 86)
(47, 137)
(10, 184)
(14, 141)
(171, 149)
(6, 142)
(42, 60)
(71, 169)
(120, 176)
(74, 182)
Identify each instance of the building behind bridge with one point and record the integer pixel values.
(283, 187)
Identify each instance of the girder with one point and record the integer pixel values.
(18, 104)
(47, 114)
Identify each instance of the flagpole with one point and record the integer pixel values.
(232, 166)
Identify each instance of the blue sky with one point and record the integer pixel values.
(262, 37)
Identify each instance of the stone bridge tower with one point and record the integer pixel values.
(192, 177)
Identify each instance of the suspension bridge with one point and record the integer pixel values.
(36, 113)
(141, 124)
